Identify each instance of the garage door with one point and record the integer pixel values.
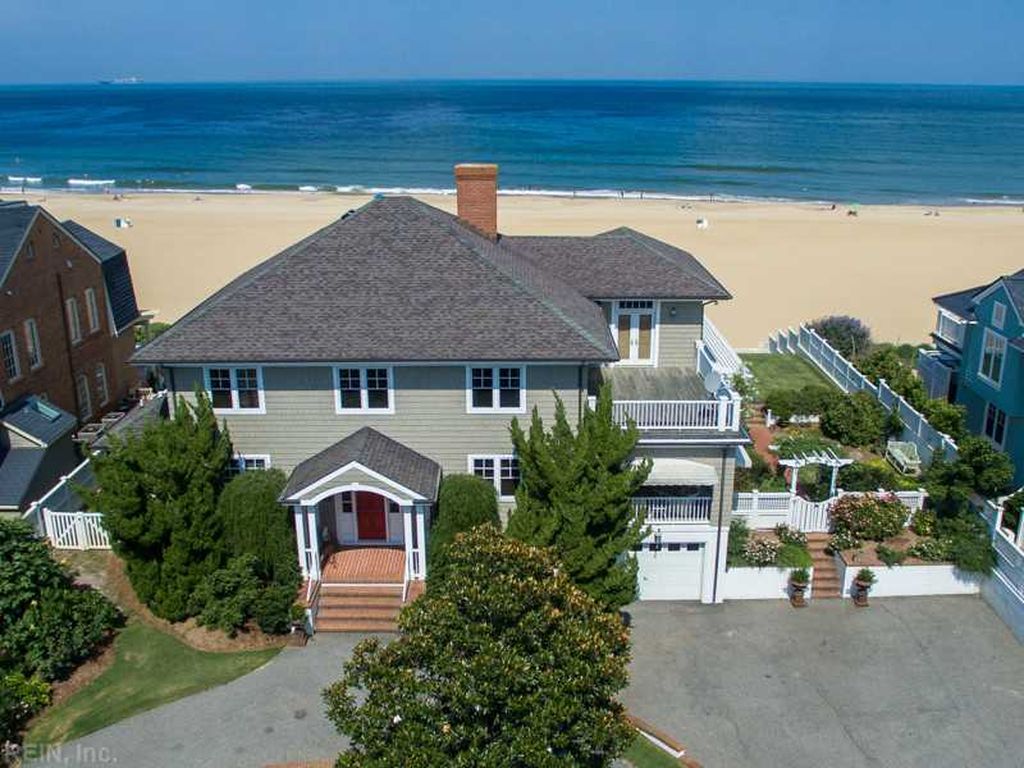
(670, 571)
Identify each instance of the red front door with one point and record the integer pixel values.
(371, 511)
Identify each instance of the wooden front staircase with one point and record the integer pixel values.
(825, 581)
(357, 608)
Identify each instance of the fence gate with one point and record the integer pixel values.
(810, 516)
(75, 530)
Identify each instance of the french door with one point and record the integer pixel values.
(635, 331)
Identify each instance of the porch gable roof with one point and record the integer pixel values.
(370, 452)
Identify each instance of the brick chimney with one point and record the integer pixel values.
(476, 188)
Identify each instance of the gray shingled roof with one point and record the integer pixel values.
(623, 263)
(18, 468)
(961, 303)
(374, 451)
(43, 422)
(15, 218)
(397, 280)
(116, 274)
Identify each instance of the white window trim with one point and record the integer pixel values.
(87, 412)
(495, 389)
(32, 343)
(364, 396)
(104, 391)
(73, 320)
(996, 383)
(14, 355)
(496, 458)
(92, 310)
(998, 315)
(1006, 425)
(613, 328)
(238, 460)
(234, 409)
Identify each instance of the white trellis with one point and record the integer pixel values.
(823, 458)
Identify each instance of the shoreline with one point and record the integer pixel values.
(784, 262)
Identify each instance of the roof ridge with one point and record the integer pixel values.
(645, 241)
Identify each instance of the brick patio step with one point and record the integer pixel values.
(360, 601)
(355, 590)
(355, 625)
(357, 613)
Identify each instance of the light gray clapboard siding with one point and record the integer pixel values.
(678, 335)
(710, 456)
(430, 413)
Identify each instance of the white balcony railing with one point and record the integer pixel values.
(722, 414)
(950, 328)
(674, 509)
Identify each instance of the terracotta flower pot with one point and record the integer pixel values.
(860, 593)
(797, 594)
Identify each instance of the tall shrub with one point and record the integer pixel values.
(256, 524)
(576, 496)
(856, 419)
(463, 502)
(848, 335)
(158, 495)
(503, 662)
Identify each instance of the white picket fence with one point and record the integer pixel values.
(806, 342)
(766, 510)
(75, 530)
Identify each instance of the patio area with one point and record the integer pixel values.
(364, 565)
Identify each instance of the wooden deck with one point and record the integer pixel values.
(365, 565)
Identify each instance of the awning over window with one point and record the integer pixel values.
(671, 471)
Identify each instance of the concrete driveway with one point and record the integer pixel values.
(930, 682)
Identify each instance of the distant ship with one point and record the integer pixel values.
(122, 81)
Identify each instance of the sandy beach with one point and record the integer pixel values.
(783, 262)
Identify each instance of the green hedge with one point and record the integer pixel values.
(463, 502)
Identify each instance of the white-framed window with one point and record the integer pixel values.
(248, 462)
(92, 310)
(74, 322)
(497, 388)
(994, 426)
(84, 397)
(236, 389)
(9, 355)
(34, 351)
(993, 355)
(501, 471)
(998, 315)
(364, 389)
(102, 387)
(634, 326)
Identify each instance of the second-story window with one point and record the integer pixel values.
(92, 310)
(35, 352)
(238, 390)
(102, 387)
(993, 353)
(496, 388)
(364, 390)
(501, 471)
(74, 322)
(9, 355)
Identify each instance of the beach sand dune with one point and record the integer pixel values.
(783, 262)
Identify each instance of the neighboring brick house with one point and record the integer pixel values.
(67, 313)
(395, 345)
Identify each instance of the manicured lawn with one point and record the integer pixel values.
(643, 754)
(150, 668)
(782, 372)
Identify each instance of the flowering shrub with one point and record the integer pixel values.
(761, 552)
(841, 541)
(932, 550)
(923, 522)
(869, 517)
(788, 535)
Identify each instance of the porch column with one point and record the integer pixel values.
(421, 537)
(313, 541)
(832, 485)
(407, 529)
(300, 538)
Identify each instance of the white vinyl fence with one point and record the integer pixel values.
(806, 342)
(766, 510)
(60, 515)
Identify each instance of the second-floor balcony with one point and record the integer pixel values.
(950, 328)
(673, 509)
(667, 399)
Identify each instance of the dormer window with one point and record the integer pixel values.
(499, 389)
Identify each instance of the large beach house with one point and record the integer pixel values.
(396, 344)
(978, 361)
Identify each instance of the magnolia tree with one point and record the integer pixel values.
(504, 661)
(576, 496)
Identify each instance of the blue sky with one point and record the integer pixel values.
(939, 41)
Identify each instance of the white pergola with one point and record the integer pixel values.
(822, 458)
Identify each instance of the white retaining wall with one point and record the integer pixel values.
(758, 583)
(912, 580)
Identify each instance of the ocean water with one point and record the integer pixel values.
(845, 143)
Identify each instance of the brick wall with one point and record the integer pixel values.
(37, 287)
(476, 186)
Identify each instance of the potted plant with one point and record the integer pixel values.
(798, 581)
(861, 584)
(298, 634)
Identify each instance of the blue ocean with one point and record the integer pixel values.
(847, 143)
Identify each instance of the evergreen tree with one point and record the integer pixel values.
(575, 496)
(158, 495)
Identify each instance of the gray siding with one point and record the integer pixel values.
(678, 335)
(430, 413)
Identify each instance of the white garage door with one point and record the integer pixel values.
(671, 572)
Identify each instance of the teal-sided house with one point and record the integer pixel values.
(977, 362)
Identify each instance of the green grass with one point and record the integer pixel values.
(643, 754)
(782, 372)
(150, 668)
